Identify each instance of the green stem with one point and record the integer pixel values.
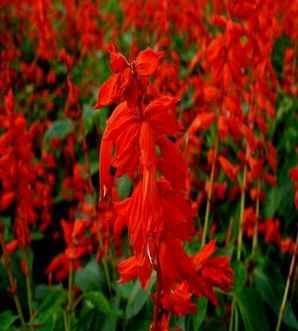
(19, 309)
(107, 274)
(236, 320)
(241, 220)
(12, 283)
(65, 321)
(209, 195)
(67, 317)
(255, 237)
(286, 292)
(70, 285)
(232, 314)
(28, 286)
(29, 296)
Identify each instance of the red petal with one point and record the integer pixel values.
(161, 115)
(118, 62)
(108, 92)
(229, 169)
(202, 121)
(147, 62)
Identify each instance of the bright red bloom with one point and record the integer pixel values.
(157, 215)
(214, 271)
(124, 74)
(179, 300)
(271, 231)
(229, 169)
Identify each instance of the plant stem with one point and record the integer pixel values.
(242, 207)
(65, 321)
(286, 292)
(229, 232)
(29, 296)
(12, 283)
(28, 285)
(19, 309)
(232, 314)
(70, 285)
(67, 318)
(107, 274)
(209, 195)
(256, 232)
(236, 320)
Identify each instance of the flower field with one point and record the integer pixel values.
(148, 165)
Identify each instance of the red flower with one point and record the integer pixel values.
(270, 229)
(214, 271)
(179, 300)
(123, 77)
(229, 169)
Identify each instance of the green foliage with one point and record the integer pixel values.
(124, 186)
(272, 296)
(89, 277)
(6, 320)
(200, 316)
(252, 310)
(60, 129)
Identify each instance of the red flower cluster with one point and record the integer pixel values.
(138, 141)
(24, 184)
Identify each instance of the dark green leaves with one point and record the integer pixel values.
(136, 300)
(124, 186)
(252, 310)
(199, 318)
(60, 129)
(89, 277)
(273, 297)
(50, 310)
(6, 320)
(98, 301)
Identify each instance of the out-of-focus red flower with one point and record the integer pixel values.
(214, 271)
(229, 169)
(271, 230)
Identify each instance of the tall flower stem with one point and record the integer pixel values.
(12, 283)
(242, 207)
(67, 315)
(286, 292)
(232, 314)
(255, 237)
(29, 295)
(28, 285)
(209, 194)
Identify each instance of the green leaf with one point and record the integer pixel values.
(54, 297)
(252, 310)
(124, 185)
(199, 318)
(37, 235)
(137, 299)
(267, 290)
(50, 310)
(90, 116)
(90, 277)
(6, 320)
(277, 57)
(273, 201)
(240, 276)
(60, 130)
(98, 301)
